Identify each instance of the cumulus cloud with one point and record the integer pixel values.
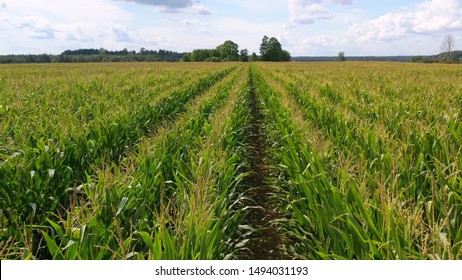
(201, 9)
(185, 21)
(35, 27)
(76, 33)
(120, 33)
(431, 17)
(310, 11)
(189, 21)
(175, 6)
(306, 11)
(343, 2)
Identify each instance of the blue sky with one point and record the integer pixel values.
(304, 27)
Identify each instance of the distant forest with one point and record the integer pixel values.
(219, 54)
(354, 58)
(445, 57)
(96, 55)
(270, 50)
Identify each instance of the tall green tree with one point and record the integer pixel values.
(274, 50)
(253, 57)
(244, 54)
(285, 56)
(229, 51)
(264, 46)
(271, 50)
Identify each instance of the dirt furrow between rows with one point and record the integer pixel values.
(266, 243)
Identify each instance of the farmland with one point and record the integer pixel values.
(231, 161)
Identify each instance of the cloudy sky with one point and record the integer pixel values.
(304, 27)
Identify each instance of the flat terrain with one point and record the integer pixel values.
(333, 160)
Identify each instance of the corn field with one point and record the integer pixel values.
(187, 161)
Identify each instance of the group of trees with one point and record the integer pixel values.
(103, 55)
(26, 58)
(447, 55)
(228, 51)
(270, 50)
(96, 55)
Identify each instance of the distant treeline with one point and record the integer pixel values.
(96, 55)
(270, 50)
(452, 57)
(228, 51)
(354, 58)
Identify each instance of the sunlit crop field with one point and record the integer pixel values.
(171, 161)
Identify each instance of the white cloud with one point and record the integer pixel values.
(68, 12)
(120, 33)
(201, 9)
(431, 17)
(343, 2)
(187, 22)
(51, 26)
(306, 11)
(173, 4)
(61, 24)
(310, 11)
(77, 33)
(39, 29)
(32, 26)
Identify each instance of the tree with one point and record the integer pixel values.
(271, 50)
(447, 46)
(253, 57)
(285, 56)
(202, 54)
(229, 51)
(274, 50)
(244, 54)
(186, 58)
(264, 48)
(341, 56)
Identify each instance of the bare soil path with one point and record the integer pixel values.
(266, 243)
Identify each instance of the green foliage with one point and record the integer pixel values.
(367, 196)
(203, 54)
(229, 51)
(95, 55)
(151, 163)
(271, 50)
(244, 55)
(253, 57)
(46, 176)
(213, 59)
